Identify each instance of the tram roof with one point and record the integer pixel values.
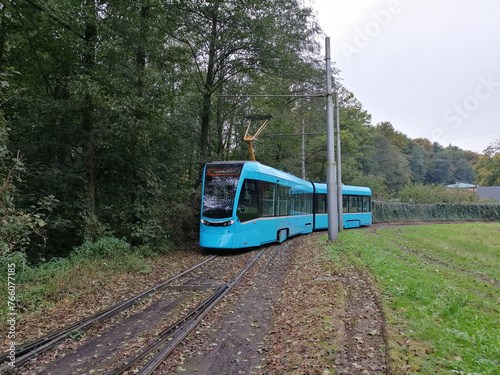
(273, 172)
(346, 189)
(255, 166)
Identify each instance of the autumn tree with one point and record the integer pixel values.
(488, 166)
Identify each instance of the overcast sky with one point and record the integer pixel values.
(430, 67)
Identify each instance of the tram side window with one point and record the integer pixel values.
(345, 200)
(296, 203)
(301, 202)
(353, 203)
(283, 201)
(366, 204)
(357, 203)
(308, 203)
(268, 198)
(321, 204)
(248, 204)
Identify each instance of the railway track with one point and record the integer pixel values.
(31, 350)
(161, 344)
(171, 337)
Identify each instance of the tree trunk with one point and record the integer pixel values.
(90, 38)
(89, 150)
(3, 32)
(220, 130)
(141, 52)
(209, 89)
(205, 126)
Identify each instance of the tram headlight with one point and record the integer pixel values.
(217, 223)
(227, 223)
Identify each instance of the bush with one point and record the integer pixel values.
(426, 194)
(107, 247)
(60, 277)
(396, 212)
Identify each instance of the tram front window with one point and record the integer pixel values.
(221, 182)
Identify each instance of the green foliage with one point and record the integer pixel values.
(94, 229)
(17, 226)
(420, 159)
(449, 165)
(390, 163)
(18, 258)
(488, 166)
(40, 285)
(114, 98)
(419, 193)
(403, 212)
(107, 248)
(397, 139)
(401, 160)
(76, 335)
(351, 175)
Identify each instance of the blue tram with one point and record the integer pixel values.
(357, 209)
(246, 204)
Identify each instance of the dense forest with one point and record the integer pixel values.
(110, 108)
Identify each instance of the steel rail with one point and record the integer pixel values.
(176, 333)
(34, 348)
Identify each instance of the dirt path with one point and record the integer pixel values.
(364, 347)
(328, 320)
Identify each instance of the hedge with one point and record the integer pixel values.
(396, 212)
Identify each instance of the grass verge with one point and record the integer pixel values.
(440, 287)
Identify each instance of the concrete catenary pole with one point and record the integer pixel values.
(339, 165)
(331, 173)
(303, 151)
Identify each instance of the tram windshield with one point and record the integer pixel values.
(221, 182)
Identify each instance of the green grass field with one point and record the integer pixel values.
(440, 286)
